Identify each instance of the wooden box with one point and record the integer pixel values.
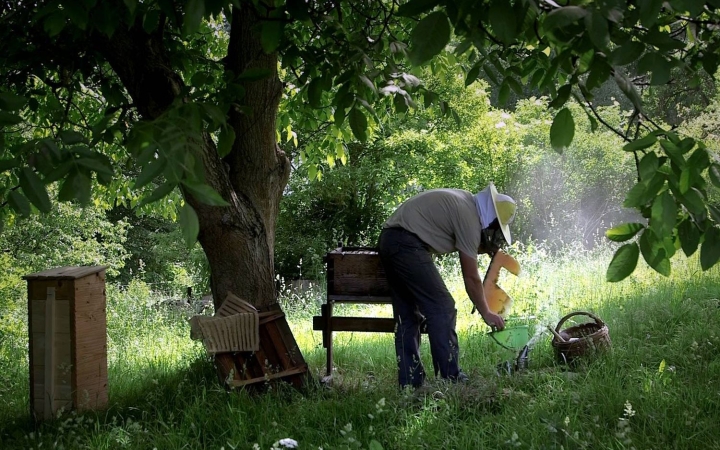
(278, 358)
(68, 340)
(353, 272)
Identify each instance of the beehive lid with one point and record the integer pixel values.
(65, 273)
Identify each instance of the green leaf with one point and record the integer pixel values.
(314, 93)
(562, 130)
(653, 252)
(11, 102)
(504, 92)
(684, 183)
(374, 445)
(714, 213)
(205, 194)
(674, 152)
(714, 172)
(597, 27)
(503, 21)
(664, 214)
(34, 190)
(628, 88)
(19, 203)
(59, 171)
(70, 137)
(413, 8)
(429, 37)
(649, 11)
(514, 85)
(599, 73)
(472, 74)
(638, 144)
(226, 138)
(67, 191)
(270, 35)
(648, 166)
(150, 171)
(693, 201)
(160, 192)
(623, 262)
(131, 5)
(99, 165)
(105, 18)
(644, 191)
(358, 124)
(76, 186)
(7, 119)
(663, 40)
(689, 236)
(699, 160)
(194, 11)
(710, 250)
(657, 66)
(54, 23)
(189, 223)
(77, 13)
(562, 17)
(562, 97)
(622, 233)
(627, 53)
(151, 20)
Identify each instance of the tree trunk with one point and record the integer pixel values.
(238, 240)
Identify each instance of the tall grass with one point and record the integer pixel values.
(657, 388)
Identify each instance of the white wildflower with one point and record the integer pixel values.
(288, 443)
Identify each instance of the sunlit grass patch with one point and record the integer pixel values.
(657, 388)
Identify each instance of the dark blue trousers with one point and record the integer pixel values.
(418, 293)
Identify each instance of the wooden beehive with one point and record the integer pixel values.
(355, 271)
(68, 340)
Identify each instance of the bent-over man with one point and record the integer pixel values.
(439, 221)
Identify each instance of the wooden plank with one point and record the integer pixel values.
(49, 359)
(277, 343)
(364, 299)
(269, 376)
(358, 324)
(62, 316)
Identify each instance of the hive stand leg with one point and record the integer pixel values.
(327, 312)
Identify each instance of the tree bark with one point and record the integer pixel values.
(238, 240)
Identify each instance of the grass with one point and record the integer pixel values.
(657, 388)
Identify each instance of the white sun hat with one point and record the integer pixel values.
(490, 205)
(505, 208)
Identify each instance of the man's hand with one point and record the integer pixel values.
(474, 288)
(493, 320)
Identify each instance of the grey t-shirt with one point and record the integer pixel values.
(445, 219)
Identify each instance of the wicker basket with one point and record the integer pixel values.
(580, 340)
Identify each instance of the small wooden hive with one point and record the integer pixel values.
(68, 340)
(355, 271)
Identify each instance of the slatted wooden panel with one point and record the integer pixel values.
(68, 343)
(278, 358)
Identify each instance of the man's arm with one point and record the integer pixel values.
(474, 289)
